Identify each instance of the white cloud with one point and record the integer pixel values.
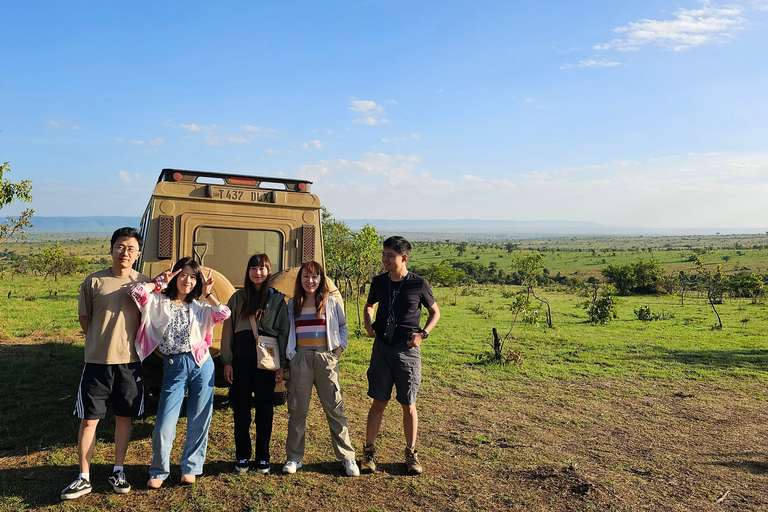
(213, 139)
(591, 63)
(413, 136)
(391, 102)
(370, 121)
(53, 124)
(689, 28)
(274, 151)
(192, 127)
(317, 144)
(136, 142)
(258, 129)
(157, 142)
(127, 177)
(371, 113)
(238, 139)
(366, 107)
(75, 127)
(662, 192)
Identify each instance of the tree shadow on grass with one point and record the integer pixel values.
(744, 462)
(741, 359)
(40, 486)
(42, 379)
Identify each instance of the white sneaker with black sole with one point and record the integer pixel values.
(119, 483)
(76, 489)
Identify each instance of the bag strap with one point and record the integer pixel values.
(254, 327)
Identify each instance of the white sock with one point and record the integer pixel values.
(117, 468)
(86, 476)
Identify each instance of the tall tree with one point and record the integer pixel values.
(9, 193)
(366, 253)
(530, 267)
(714, 283)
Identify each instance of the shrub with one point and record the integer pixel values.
(601, 310)
(644, 314)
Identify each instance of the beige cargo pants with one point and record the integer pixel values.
(320, 368)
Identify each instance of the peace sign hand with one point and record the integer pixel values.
(164, 278)
(208, 283)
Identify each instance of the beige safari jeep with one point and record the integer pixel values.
(222, 220)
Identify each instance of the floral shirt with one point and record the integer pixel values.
(176, 336)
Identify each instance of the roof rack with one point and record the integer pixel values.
(240, 180)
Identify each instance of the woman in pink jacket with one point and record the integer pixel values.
(181, 326)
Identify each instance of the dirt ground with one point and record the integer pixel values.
(559, 446)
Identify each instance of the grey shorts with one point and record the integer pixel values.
(394, 365)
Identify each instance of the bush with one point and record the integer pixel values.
(644, 314)
(602, 310)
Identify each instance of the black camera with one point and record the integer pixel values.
(389, 333)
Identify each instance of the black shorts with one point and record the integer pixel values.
(394, 365)
(104, 385)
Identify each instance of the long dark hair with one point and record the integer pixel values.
(321, 294)
(172, 291)
(256, 298)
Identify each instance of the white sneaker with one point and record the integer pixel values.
(350, 466)
(291, 467)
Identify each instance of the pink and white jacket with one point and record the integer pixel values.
(155, 310)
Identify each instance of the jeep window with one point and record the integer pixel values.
(228, 249)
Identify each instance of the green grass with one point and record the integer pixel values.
(655, 415)
(575, 256)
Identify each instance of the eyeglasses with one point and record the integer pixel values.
(129, 250)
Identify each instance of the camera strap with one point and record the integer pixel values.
(392, 298)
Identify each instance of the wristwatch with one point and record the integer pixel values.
(424, 334)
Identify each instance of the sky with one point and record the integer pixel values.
(651, 113)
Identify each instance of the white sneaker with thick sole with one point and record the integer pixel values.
(291, 466)
(350, 467)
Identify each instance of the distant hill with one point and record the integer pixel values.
(476, 229)
(90, 225)
(455, 230)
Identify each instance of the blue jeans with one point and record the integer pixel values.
(181, 373)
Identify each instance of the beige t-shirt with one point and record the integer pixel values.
(113, 317)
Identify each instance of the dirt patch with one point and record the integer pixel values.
(595, 444)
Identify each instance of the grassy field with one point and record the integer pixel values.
(661, 415)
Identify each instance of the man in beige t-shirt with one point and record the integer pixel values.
(112, 370)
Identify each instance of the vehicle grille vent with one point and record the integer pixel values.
(308, 237)
(165, 237)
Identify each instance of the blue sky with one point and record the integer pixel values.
(649, 113)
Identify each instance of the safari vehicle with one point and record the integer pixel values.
(222, 220)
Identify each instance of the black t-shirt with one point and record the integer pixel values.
(409, 295)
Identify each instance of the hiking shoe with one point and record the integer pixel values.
(350, 467)
(76, 489)
(241, 466)
(262, 467)
(291, 467)
(118, 482)
(369, 459)
(412, 461)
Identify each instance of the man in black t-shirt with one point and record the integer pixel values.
(396, 354)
